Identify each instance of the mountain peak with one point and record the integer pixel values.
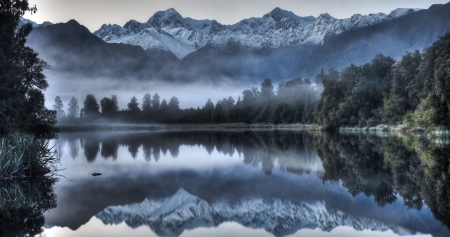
(169, 13)
(325, 16)
(399, 12)
(165, 18)
(278, 14)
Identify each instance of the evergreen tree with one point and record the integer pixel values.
(146, 102)
(174, 103)
(90, 109)
(109, 105)
(133, 106)
(155, 101)
(405, 94)
(21, 76)
(73, 108)
(163, 105)
(266, 90)
(209, 110)
(58, 107)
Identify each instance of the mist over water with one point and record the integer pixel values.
(190, 95)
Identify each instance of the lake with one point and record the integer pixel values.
(250, 183)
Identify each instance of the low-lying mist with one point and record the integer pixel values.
(190, 95)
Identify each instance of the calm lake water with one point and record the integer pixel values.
(267, 183)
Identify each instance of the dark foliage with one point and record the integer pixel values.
(413, 91)
(294, 102)
(21, 78)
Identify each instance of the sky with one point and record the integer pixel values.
(94, 13)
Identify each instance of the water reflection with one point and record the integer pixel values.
(22, 203)
(263, 148)
(280, 181)
(416, 168)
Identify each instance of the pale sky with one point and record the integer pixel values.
(94, 13)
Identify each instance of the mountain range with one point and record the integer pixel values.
(183, 211)
(279, 45)
(169, 31)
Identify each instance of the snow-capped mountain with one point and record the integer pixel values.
(169, 31)
(171, 216)
(23, 21)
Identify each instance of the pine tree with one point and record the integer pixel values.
(155, 101)
(133, 106)
(146, 102)
(73, 108)
(90, 109)
(58, 107)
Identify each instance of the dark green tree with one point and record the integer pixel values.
(58, 107)
(266, 90)
(155, 101)
(174, 103)
(406, 88)
(133, 106)
(209, 110)
(109, 105)
(73, 108)
(146, 102)
(90, 109)
(21, 76)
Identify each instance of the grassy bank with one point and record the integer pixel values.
(23, 156)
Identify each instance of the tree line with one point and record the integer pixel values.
(414, 91)
(293, 102)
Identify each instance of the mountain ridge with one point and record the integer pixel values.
(71, 48)
(244, 53)
(169, 31)
(414, 31)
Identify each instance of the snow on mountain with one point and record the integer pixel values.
(171, 216)
(23, 21)
(399, 12)
(169, 31)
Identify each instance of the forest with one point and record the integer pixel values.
(294, 102)
(412, 91)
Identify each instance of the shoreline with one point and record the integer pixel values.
(123, 127)
(183, 127)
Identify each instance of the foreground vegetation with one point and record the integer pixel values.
(27, 169)
(23, 156)
(24, 120)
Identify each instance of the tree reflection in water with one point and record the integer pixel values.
(414, 167)
(382, 166)
(22, 204)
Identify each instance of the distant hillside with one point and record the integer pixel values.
(417, 30)
(71, 48)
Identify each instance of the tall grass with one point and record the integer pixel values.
(23, 156)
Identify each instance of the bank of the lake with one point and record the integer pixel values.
(116, 127)
(174, 127)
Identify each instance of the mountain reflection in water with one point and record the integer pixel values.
(279, 181)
